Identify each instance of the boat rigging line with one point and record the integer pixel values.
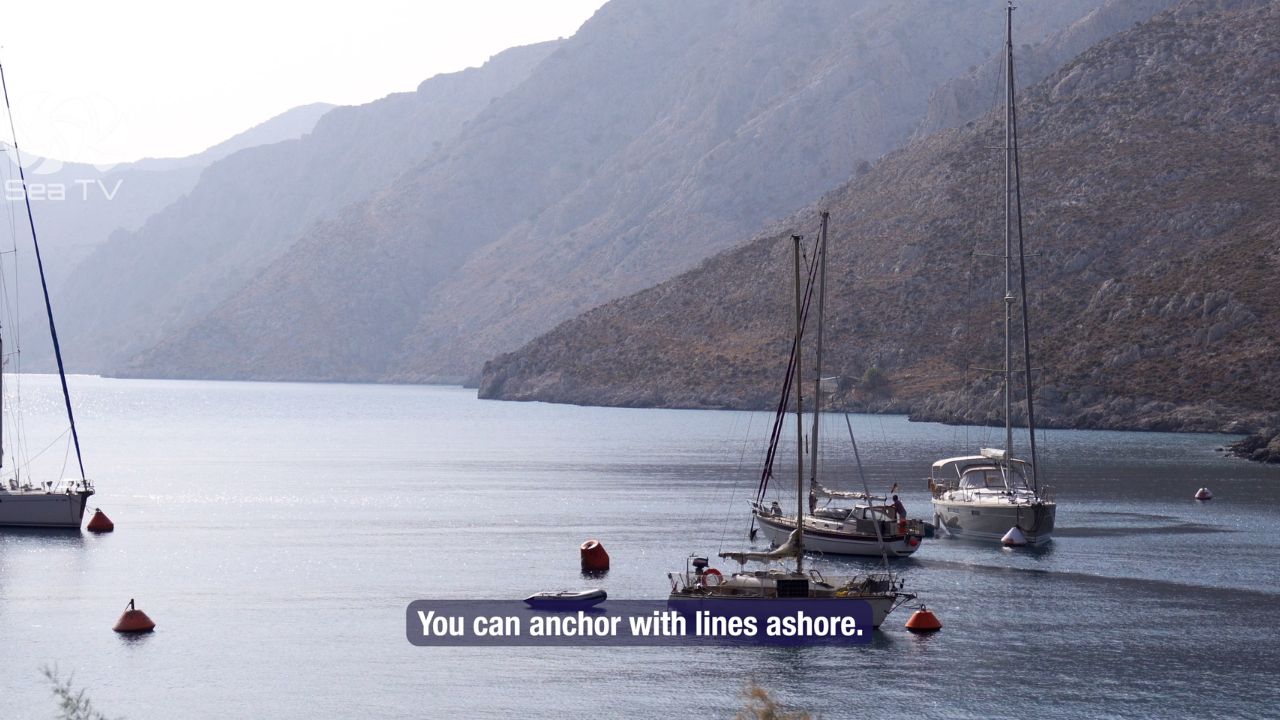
(780, 412)
(866, 488)
(44, 285)
(1022, 261)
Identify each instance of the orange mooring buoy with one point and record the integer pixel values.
(923, 621)
(594, 558)
(134, 621)
(100, 523)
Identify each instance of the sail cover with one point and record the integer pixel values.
(820, 490)
(788, 549)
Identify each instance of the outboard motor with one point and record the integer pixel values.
(699, 565)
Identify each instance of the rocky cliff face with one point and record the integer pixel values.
(1151, 195)
(247, 208)
(1260, 446)
(77, 206)
(967, 98)
(658, 135)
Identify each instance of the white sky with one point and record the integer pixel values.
(107, 81)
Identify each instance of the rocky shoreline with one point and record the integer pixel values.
(1262, 446)
(1082, 410)
(1152, 300)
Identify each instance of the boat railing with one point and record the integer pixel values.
(1046, 493)
(678, 581)
(693, 581)
(873, 583)
(939, 487)
(66, 486)
(53, 487)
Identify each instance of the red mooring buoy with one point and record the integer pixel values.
(594, 558)
(923, 621)
(1204, 494)
(100, 523)
(134, 621)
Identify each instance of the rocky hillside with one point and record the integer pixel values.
(1260, 446)
(661, 133)
(1152, 201)
(966, 98)
(78, 206)
(250, 206)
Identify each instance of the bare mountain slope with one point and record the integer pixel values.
(962, 99)
(78, 206)
(247, 208)
(659, 134)
(1152, 191)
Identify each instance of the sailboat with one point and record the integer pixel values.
(871, 526)
(699, 582)
(24, 502)
(989, 495)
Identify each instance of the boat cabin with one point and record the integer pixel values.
(989, 471)
(883, 513)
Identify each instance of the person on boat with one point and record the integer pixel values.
(899, 508)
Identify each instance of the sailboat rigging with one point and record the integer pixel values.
(58, 504)
(984, 496)
(881, 591)
(872, 526)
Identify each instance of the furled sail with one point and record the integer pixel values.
(789, 549)
(824, 492)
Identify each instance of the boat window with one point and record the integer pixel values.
(992, 478)
(981, 478)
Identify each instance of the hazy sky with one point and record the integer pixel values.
(112, 81)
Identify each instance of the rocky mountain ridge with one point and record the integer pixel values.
(1151, 193)
(659, 134)
(249, 207)
(77, 206)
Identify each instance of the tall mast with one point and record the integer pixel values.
(44, 285)
(817, 380)
(1022, 290)
(1008, 240)
(799, 418)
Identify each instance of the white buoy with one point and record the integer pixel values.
(1013, 538)
(1204, 494)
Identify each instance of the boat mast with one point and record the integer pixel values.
(780, 414)
(1008, 242)
(1022, 277)
(817, 379)
(799, 418)
(44, 285)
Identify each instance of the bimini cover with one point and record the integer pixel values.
(963, 459)
(988, 455)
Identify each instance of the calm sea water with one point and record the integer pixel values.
(275, 532)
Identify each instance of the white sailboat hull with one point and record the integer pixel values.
(778, 529)
(990, 521)
(41, 509)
